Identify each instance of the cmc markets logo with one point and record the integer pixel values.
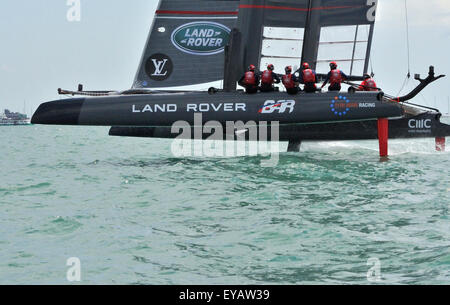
(159, 67)
(201, 38)
(420, 126)
(280, 106)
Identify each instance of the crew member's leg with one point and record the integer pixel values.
(293, 91)
(310, 88)
(334, 88)
(251, 90)
(267, 88)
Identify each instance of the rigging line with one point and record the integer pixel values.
(405, 83)
(408, 76)
(407, 39)
(423, 98)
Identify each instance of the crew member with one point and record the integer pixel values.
(335, 77)
(308, 78)
(368, 84)
(250, 80)
(268, 78)
(290, 81)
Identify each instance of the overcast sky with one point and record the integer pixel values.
(41, 51)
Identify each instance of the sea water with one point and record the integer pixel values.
(130, 212)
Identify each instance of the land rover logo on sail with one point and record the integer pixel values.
(159, 67)
(201, 38)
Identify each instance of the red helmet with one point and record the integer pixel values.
(333, 65)
(288, 69)
(251, 68)
(305, 65)
(270, 67)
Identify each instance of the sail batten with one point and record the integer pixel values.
(204, 13)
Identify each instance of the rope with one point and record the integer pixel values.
(407, 39)
(408, 52)
(423, 98)
(405, 83)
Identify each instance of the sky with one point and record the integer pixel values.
(41, 50)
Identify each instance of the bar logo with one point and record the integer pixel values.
(282, 106)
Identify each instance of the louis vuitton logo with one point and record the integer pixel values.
(159, 67)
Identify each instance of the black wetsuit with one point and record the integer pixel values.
(250, 89)
(310, 86)
(268, 87)
(334, 85)
(292, 84)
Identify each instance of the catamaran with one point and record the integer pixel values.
(207, 41)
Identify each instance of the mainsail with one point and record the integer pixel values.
(186, 43)
(187, 40)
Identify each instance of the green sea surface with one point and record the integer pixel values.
(133, 213)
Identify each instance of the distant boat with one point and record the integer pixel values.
(8, 118)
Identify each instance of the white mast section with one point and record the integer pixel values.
(347, 45)
(281, 47)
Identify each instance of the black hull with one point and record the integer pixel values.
(426, 125)
(306, 117)
(164, 109)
